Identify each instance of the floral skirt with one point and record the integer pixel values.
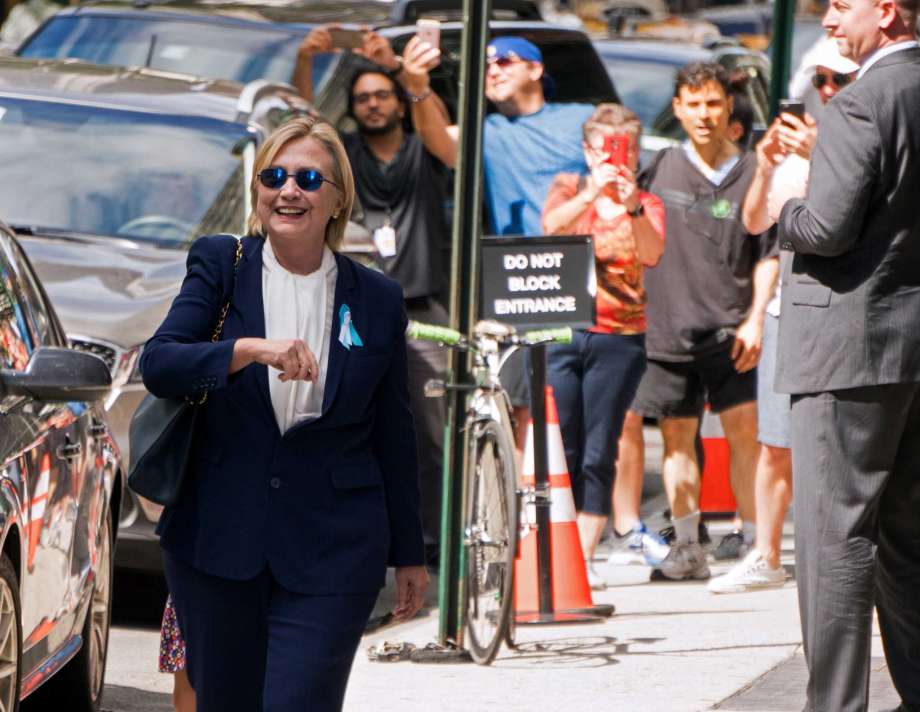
(172, 644)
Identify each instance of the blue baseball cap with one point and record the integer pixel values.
(514, 47)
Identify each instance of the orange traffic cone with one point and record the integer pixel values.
(571, 591)
(37, 508)
(716, 490)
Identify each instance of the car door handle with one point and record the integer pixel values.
(71, 451)
(98, 429)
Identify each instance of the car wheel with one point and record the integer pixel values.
(79, 686)
(10, 637)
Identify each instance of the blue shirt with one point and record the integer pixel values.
(522, 155)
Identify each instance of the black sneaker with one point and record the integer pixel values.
(702, 533)
(732, 546)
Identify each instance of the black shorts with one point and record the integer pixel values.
(680, 389)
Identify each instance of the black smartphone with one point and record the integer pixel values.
(796, 108)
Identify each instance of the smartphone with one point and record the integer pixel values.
(796, 108)
(345, 38)
(429, 31)
(617, 149)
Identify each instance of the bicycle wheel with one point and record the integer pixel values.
(490, 537)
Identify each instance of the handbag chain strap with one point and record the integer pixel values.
(219, 328)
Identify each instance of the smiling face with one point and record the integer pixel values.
(289, 212)
(509, 77)
(703, 112)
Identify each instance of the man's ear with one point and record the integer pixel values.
(888, 14)
(536, 71)
(675, 107)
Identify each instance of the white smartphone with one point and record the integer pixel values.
(429, 31)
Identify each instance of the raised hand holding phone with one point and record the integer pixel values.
(429, 31)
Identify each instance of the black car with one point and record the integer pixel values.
(61, 485)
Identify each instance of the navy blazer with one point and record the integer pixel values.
(334, 500)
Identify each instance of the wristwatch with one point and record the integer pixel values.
(640, 210)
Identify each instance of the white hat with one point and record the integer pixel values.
(823, 53)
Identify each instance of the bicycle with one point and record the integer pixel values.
(492, 496)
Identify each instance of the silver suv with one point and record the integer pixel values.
(109, 175)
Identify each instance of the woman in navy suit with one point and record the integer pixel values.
(303, 484)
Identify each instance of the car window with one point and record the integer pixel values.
(240, 53)
(644, 87)
(16, 341)
(140, 176)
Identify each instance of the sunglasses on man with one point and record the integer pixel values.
(838, 79)
(306, 179)
(504, 61)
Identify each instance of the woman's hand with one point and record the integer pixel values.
(602, 175)
(627, 189)
(797, 135)
(290, 356)
(770, 150)
(411, 584)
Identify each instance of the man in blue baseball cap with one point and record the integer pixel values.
(526, 142)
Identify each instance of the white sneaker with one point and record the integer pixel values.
(685, 561)
(595, 580)
(749, 574)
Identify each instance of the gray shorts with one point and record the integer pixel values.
(773, 409)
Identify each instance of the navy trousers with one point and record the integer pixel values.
(594, 379)
(253, 646)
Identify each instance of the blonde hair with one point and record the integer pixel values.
(612, 118)
(325, 134)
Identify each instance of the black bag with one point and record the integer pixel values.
(162, 430)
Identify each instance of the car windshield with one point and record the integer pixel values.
(646, 87)
(241, 53)
(110, 172)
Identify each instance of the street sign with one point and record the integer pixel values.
(538, 282)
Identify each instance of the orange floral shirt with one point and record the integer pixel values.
(620, 291)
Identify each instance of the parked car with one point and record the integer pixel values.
(644, 71)
(61, 486)
(258, 40)
(109, 175)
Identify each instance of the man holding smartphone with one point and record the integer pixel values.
(402, 189)
(527, 142)
(849, 355)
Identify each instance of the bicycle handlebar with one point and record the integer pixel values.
(429, 332)
(562, 335)
(449, 337)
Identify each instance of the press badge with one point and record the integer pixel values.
(385, 240)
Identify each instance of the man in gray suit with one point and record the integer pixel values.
(849, 348)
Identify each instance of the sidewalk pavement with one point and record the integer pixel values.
(670, 647)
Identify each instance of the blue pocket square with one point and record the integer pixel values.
(348, 335)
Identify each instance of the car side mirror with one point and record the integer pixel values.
(59, 375)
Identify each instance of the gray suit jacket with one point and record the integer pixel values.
(851, 296)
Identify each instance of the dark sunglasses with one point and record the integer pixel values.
(505, 61)
(379, 95)
(840, 80)
(306, 178)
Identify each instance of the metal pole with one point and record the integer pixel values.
(463, 306)
(542, 501)
(783, 22)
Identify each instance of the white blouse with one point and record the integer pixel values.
(298, 307)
